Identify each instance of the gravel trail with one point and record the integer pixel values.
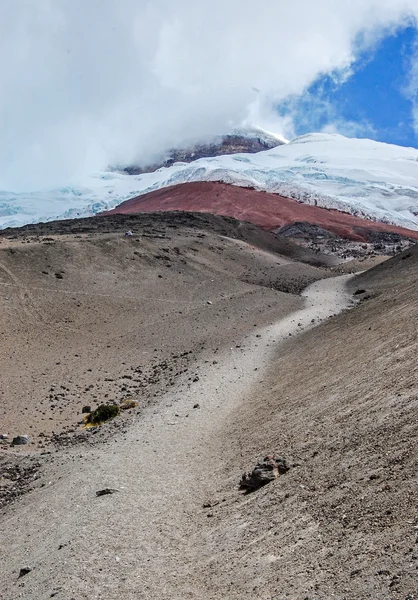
(140, 542)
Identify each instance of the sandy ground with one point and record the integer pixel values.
(228, 367)
(92, 318)
(341, 402)
(147, 540)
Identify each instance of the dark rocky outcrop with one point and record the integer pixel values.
(264, 472)
(20, 440)
(227, 144)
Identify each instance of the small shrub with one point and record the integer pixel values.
(103, 413)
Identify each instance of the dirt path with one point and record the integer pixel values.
(141, 541)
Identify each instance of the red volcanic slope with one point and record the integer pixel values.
(269, 211)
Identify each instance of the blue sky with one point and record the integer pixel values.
(373, 102)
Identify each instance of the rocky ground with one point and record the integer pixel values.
(341, 402)
(97, 316)
(200, 320)
(318, 239)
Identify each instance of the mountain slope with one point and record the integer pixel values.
(183, 317)
(362, 177)
(341, 403)
(269, 211)
(79, 298)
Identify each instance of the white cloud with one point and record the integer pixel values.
(85, 84)
(354, 129)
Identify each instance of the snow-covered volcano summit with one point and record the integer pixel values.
(363, 177)
(244, 140)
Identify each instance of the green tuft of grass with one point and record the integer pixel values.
(103, 413)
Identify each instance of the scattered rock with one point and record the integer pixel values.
(24, 571)
(264, 472)
(106, 492)
(58, 275)
(20, 440)
(197, 405)
(394, 581)
(209, 302)
(128, 404)
(359, 291)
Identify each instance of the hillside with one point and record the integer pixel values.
(269, 211)
(362, 177)
(79, 302)
(208, 324)
(340, 401)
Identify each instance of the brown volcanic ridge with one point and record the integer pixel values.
(269, 211)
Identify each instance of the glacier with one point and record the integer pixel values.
(363, 177)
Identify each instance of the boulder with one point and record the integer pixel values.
(106, 492)
(20, 440)
(264, 472)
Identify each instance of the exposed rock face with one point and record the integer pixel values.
(228, 144)
(301, 229)
(381, 241)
